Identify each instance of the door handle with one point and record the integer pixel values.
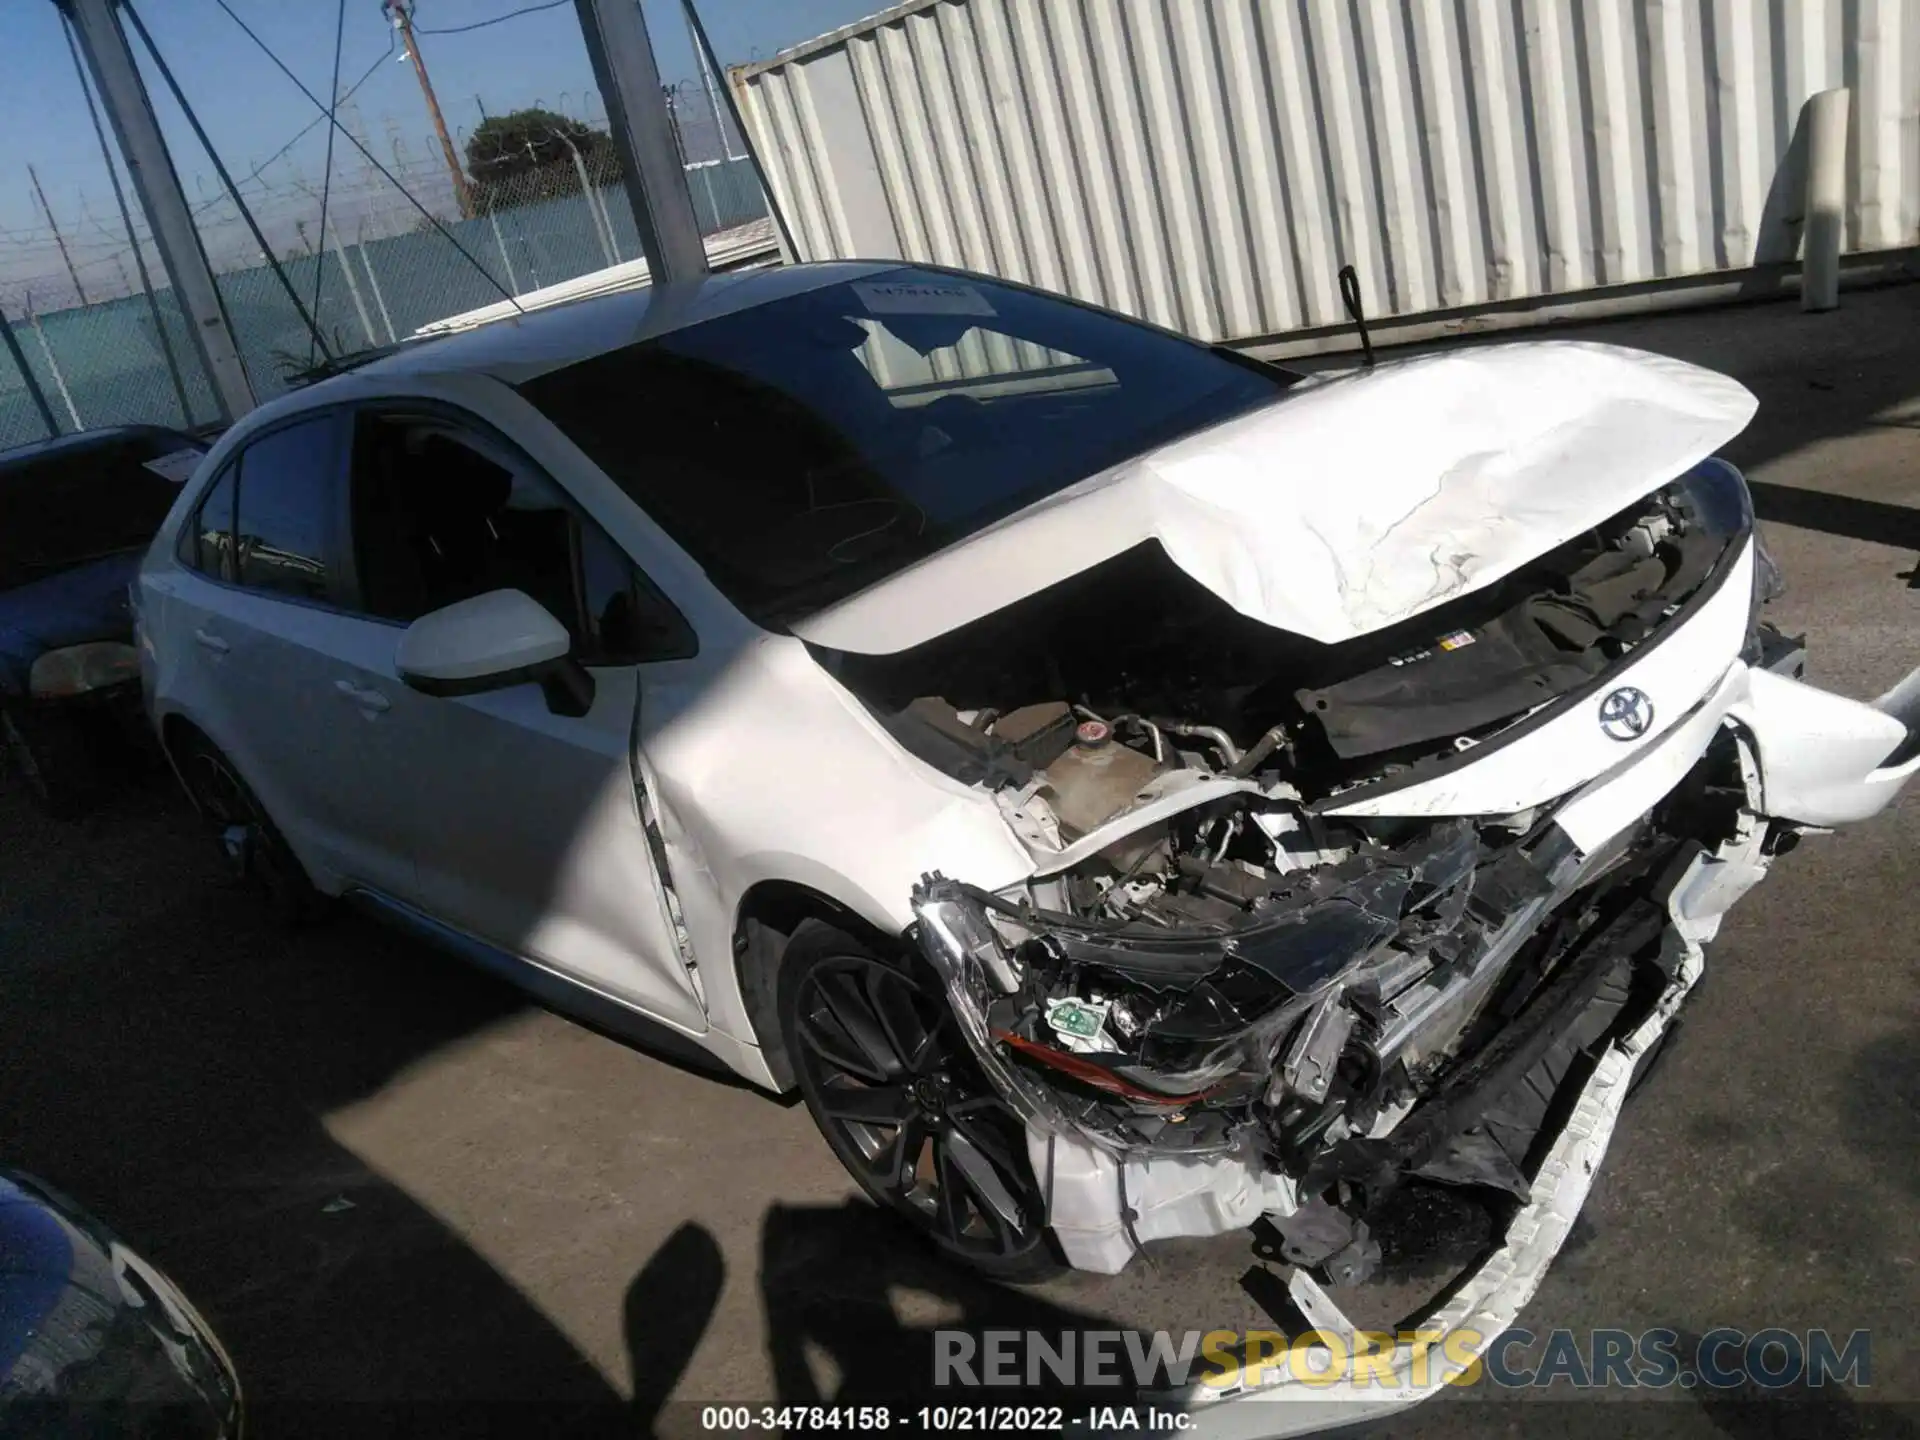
(363, 696)
(210, 641)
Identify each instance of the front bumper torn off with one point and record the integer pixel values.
(1486, 1301)
(1807, 759)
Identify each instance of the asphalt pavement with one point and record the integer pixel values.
(412, 1203)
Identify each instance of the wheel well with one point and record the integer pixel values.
(175, 730)
(769, 914)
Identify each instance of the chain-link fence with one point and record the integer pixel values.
(378, 265)
(105, 364)
(374, 291)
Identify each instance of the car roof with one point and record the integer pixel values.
(520, 347)
(78, 443)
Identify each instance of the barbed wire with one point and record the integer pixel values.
(387, 270)
(282, 195)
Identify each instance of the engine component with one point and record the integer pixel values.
(1308, 1068)
(1212, 974)
(1095, 777)
(1188, 681)
(1036, 733)
(1319, 1236)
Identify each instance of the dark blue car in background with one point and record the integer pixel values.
(76, 514)
(94, 1341)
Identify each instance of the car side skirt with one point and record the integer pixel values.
(571, 998)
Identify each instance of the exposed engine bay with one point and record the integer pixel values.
(1210, 968)
(1184, 680)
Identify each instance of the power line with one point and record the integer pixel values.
(483, 24)
(219, 166)
(305, 129)
(428, 215)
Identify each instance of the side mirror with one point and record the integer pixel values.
(492, 642)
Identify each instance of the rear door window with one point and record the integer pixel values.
(289, 508)
(206, 540)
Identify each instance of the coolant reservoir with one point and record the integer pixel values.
(1096, 778)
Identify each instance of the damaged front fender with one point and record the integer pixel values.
(1355, 1025)
(1825, 759)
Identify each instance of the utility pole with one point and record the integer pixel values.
(58, 238)
(401, 13)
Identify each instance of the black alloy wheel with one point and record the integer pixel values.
(892, 1085)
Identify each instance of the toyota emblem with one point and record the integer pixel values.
(1626, 714)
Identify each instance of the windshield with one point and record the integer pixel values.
(804, 449)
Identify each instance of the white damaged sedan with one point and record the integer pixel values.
(1129, 789)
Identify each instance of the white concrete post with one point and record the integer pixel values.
(494, 220)
(53, 367)
(1826, 224)
(124, 98)
(373, 279)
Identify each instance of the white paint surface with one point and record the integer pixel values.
(1350, 504)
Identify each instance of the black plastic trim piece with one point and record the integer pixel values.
(567, 685)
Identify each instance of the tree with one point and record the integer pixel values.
(527, 155)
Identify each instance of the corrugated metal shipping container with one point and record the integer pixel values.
(1210, 164)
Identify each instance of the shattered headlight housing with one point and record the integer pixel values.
(960, 936)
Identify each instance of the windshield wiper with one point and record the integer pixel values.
(1279, 374)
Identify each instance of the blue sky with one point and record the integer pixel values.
(251, 110)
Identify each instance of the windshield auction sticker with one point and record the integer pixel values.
(175, 465)
(921, 297)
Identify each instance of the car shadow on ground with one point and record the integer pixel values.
(835, 1281)
(169, 1056)
(854, 1309)
(1790, 1412)
(1871, 520)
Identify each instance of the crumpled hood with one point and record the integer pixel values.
(88, 602)
(1351, 504)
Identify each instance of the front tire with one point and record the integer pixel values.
(890, 1082)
